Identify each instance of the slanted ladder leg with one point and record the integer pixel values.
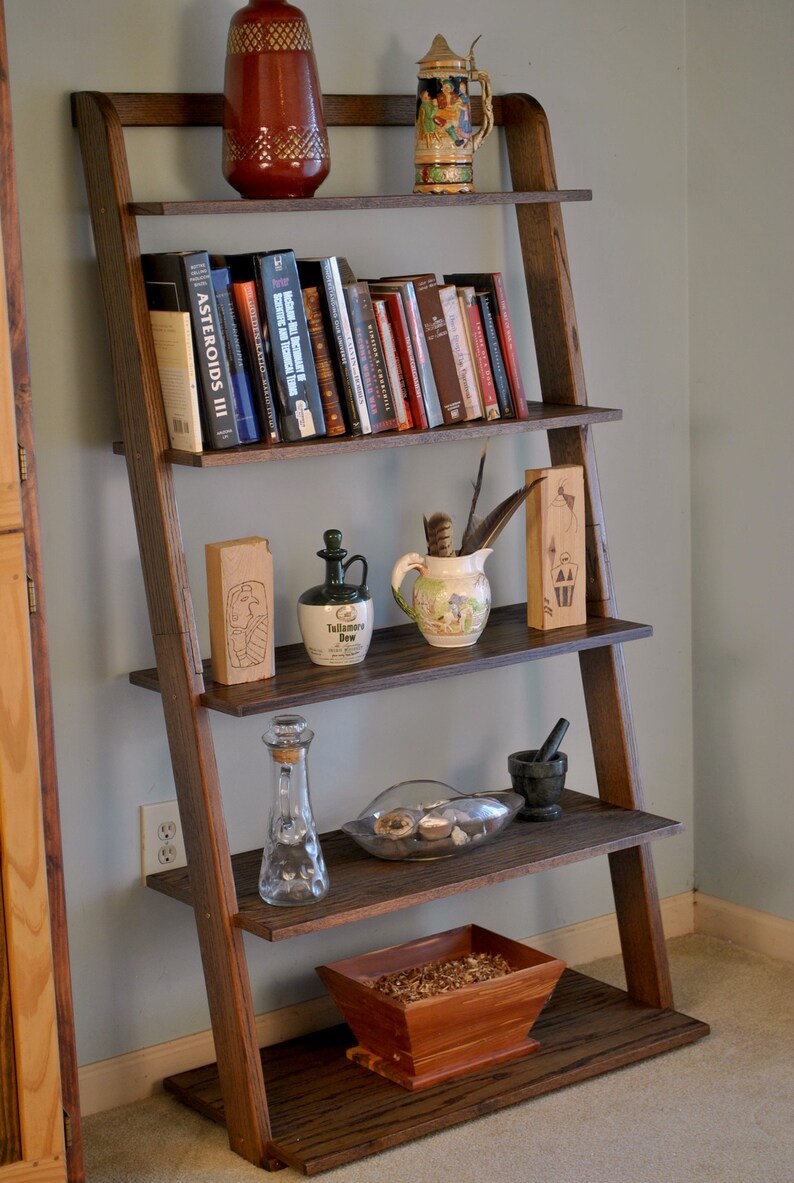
(604, 681)
(173, 629)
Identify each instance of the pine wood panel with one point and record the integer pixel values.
(327, 1111)
(22, 864)
(400, 656)
(10, 504)
(363, 886)
(10, 1135)
(37, 623)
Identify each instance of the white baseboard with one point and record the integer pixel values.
(137, 1075)
(759, 931)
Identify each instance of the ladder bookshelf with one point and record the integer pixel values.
(302, 1103)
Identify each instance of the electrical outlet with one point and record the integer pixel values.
(162, 845)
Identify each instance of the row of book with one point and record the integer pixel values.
(267, 347)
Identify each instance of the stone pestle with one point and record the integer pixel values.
(548, 749)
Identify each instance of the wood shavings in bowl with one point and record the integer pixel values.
(439, 977)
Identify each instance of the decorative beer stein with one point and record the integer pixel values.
(445, 141)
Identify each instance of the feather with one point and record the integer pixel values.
(471, 521)
(491, 526)
(438, 531)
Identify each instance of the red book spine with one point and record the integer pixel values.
(504, 327)
(489, 400)
(396, 379)
(402, 340)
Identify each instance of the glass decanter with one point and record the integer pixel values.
(293, 869)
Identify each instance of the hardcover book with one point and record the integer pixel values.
(253, 332)
(293, 364)
(407, 293)
(405, 351)
(326, 273)
(323, 364)
(493, 282)
(393, 366)
(380, 401)
(479, 349)
(461, 351)
(247, 425)
(176, 365)
(180, 281)
(439, 348)
(495, 356)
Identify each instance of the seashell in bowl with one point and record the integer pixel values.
(426, 819)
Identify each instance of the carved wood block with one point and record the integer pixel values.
(240, 596)
(556, 569)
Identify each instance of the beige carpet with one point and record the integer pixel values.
(719, 1111)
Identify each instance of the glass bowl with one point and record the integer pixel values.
(426, 819)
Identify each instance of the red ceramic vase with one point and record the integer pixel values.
(275, 142)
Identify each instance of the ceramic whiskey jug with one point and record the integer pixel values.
(275, 142)
(336, 618)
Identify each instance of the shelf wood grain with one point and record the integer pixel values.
(363, 886)
(542, 417)
(326, 1111)
(400, 656)
(319, 205)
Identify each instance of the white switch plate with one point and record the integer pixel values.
(162, 845)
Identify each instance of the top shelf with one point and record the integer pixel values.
(318, 205)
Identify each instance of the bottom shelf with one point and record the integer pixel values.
(325, 1111)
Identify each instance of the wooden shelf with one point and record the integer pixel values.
(542, 417)
(400, 656)
(326, 1111)
(363, 886)
(318, 205)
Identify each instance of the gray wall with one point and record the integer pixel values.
(741, 177)
(612, 78)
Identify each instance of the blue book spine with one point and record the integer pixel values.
(248, 426)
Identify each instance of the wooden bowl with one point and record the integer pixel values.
(417, 1044)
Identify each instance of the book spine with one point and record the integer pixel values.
(464, 363)
(504, 327)
(439, 348)
(405, 350)
(490, 403)
(181, 281)
(247, 426)
(252, 332)
(370, 357)
(495, 356)
(293, 365)
(393, 367)
(435, 415)
(323, 364)
(337, 306)
(176, 364)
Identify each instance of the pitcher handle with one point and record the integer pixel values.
(358, 559)
(409, 562)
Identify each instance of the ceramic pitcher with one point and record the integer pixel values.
(451, 597)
